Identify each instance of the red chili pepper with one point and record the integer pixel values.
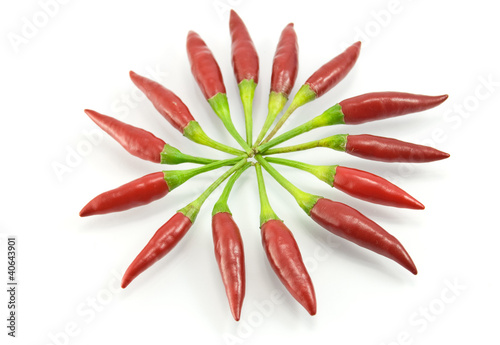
(177, 113)
(136, 141)
(165, 101)
(372, 188)
(286, 62)
(230, 258)
(166, 238)
(332, 72)
(390, 150)
(286, 261)
(136, 193)
(205, 69)
(380, 105)
(244, 55)
(348, 223)
(145, 189)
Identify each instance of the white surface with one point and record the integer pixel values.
(68, 268)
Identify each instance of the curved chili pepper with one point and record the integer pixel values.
(350, 224)
(166, 238)
(207, 73)
(165, 101)
(136, 141)
(284, 74)
(136, 193)
(244, 55)
(332, 72)
(357, 183)
(205, 69)
(390, 150)
(146, 189)
(380, 105)
(177, 113)
(285, 62)
(369, 187)
(229, 254)
(286, 261)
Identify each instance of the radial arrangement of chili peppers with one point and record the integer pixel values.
(278, 241)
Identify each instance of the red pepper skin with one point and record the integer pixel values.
(139, 192)
(332, 72)
(348, 223)
(381, 105)
(391, 150)
(205, 69)
(286, 261)
(160, 244)
(229, 254)
(369, 187)
(136, 141)
(286, 62)
(165, 101)
(244, 55)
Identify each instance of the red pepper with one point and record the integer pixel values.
(372, 188)
(390, 150)
(136, 141)
(205, 69)
(139, 192)
(332, 72)
(244, 55)
(165, 101)
(177, 113)
(348, 223)
(229, 254)
(380, 105)
(145, 189)
(286, 261)
(166, 238)
(286, 62)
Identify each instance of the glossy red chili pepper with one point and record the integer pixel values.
(136, 141)
(286, 62)
(230, 258)
(350, 224)
(390, 150)
(332, 72)
(244, 55)
(139, 192)
(367, 186)
(380, 105)
(165, 101)
(286, 261)
(166, 238)
(204, 67)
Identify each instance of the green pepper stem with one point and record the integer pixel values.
(221, 204)
(325, 173)
(194, 132)
(247, 92)
(192, 209)
(175, 178)
(220, 106)
(303, 96)
(336, 142)
(305, 200)
(266, 211)
(331, 116)
(172, 155)
(276, 104)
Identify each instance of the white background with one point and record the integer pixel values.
(76, 55)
